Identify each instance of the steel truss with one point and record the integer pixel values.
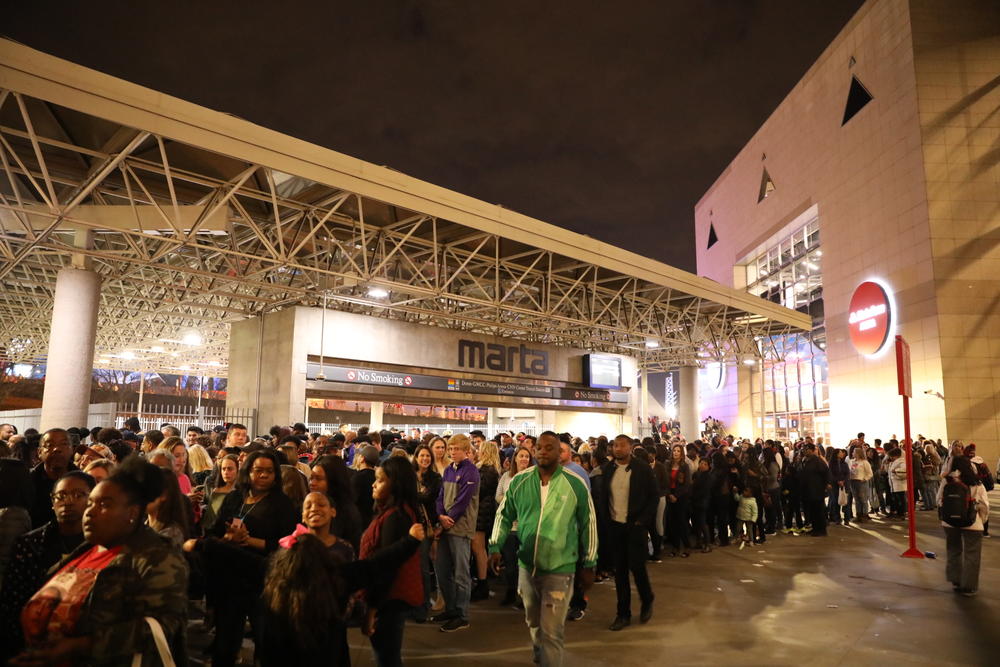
(201, 239)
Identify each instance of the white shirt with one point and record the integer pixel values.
(620, 483)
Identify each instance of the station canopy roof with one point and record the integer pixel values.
(196, 219)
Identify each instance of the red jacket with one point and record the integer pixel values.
(407, 585)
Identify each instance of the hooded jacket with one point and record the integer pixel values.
(555, 538)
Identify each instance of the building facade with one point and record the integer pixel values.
(880, 166)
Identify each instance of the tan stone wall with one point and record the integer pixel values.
(867, 180)
(957, 64)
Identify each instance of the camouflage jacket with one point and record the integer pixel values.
(148, 578)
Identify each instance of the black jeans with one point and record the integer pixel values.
(816, 514)
(677, 520)
(387, 640)
(628, 544)
(702, 533)
(720, 507)
(231, 612)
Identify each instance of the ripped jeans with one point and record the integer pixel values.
(546, 600)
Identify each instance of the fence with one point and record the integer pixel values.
(183, 416)
(489, 430)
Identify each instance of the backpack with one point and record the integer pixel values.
(957, 509)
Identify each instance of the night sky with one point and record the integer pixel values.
(608, 118)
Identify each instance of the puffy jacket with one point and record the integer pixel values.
(556, 538)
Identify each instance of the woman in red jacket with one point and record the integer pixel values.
(389, 603)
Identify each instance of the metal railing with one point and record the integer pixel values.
(183, 416)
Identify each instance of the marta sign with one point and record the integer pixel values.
(870, 319)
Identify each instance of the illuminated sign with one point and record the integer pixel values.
(870, 319)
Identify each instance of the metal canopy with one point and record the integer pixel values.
(196, 219)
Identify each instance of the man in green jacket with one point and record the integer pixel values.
(557, 529)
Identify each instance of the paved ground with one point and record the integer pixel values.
(847, 599)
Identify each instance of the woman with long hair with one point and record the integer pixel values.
(252, 519)
(519, 462)
(331, 476)
(392, 599)
(428, 487)
(964, 543)
(678, 501)
(178, 450)
(168, 513)
(93, 609)
(489, 478)
(218, 487)
(306, 595)
(200, 463)
(439, 448)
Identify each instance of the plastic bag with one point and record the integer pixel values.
(842, 497)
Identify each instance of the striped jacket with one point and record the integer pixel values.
(556, 538)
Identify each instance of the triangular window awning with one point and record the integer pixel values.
(713, 238)
(766, 186)
(857, 98)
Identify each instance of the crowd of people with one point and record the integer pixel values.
(109, 538)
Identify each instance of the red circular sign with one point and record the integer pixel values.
(407, 380)
(869, 318)
(351, 375)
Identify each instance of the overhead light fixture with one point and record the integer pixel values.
(157, 348)
(378, 292)
(127, 354)
(215, 363)
(192, 338)
(652, 344)
(185, 367)
(749, 361)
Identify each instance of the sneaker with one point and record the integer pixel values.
(575, 614)
(455, 624)
(443, 617)
(966, 592)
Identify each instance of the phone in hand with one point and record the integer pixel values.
(236, 523)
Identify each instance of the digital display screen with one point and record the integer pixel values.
(602, 371)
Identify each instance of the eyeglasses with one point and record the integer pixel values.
(68, 496)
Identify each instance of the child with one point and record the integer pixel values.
(746, 513)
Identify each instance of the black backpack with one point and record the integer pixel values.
(957, 509)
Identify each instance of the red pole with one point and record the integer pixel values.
(912, 552)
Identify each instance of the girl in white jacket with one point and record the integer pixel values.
(965, 544)
(861, 475)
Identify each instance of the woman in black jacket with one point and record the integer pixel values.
(428, 487)
(701, 501)
(678, 501)
(489, 477)
(251, 520)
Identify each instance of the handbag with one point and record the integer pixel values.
(161, 645)
(842, 497)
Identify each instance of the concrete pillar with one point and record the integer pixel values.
(687, 403)
(267, 368)
(70, 362)
(375, 420)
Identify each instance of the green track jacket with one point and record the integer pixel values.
(557, 538)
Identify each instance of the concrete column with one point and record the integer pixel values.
(267, 368)
(70, 361)
(375, 420)
(687, 403)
